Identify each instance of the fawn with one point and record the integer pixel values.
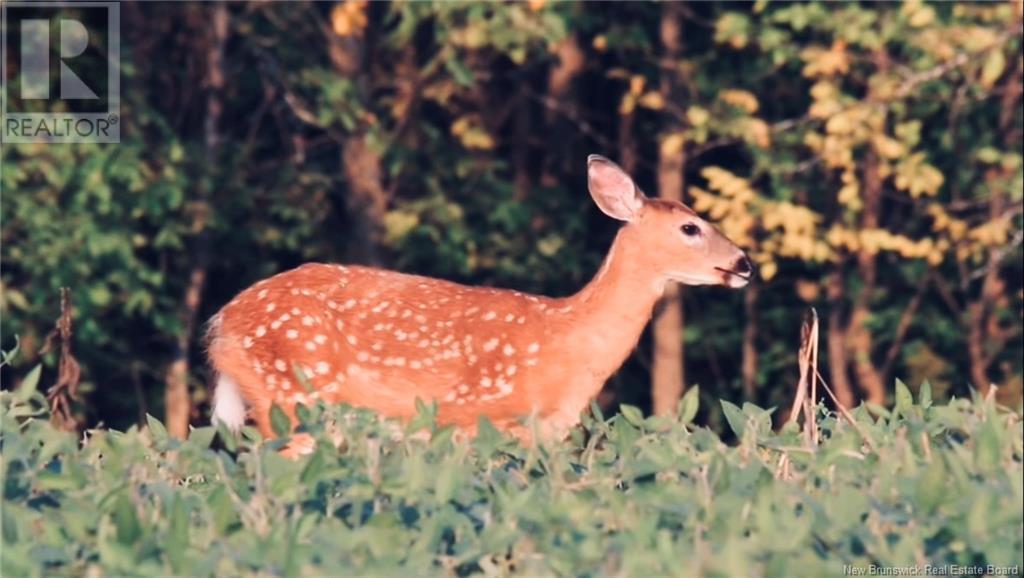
(381, 339)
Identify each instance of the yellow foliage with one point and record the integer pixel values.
(698, 116)
(840, 237)
(726, 183)
(837, 152)
(990, 234)
(636, 84)
(887, 147)
(790, 230)
(849, 196)
(398, 224)
(825, 63)
(826, 100)
(600, 43)
(917, 13)
(741, 99)
(652, 100)
(348, 18)
(673, 143)
(918, 177)
(955, 228)
(471, 133)
(702, 200)
(758, 133)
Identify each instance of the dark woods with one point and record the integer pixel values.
(868, 158)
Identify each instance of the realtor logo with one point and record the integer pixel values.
(61, 72)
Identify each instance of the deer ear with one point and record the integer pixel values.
(612, 189)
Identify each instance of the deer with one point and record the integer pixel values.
(380, 339)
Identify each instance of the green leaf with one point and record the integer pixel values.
(202, 437)
(177, 539)
(157, 429)
(29, 385)
(314, 467)
(126, 521)
(737, 420)
(279, 421)
(689, 405)
(904, 399)
(924, 396)
(932, 486)
(10, 529)
(632, 414)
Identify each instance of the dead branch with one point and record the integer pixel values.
(65, 390)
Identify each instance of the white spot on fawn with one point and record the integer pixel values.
(489, 315)
(533, 348)
(291, 334)
(491, 344)
(508, 350)
(261, 331)
(322, 367)
(271, 307)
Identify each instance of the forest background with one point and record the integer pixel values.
(867, 156)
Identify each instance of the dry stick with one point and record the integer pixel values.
(811, 418)
(804, 361)
(65, 390)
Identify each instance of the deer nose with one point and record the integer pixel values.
(743, 266)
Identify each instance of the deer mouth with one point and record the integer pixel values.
(734, 279)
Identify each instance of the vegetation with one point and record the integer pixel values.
(867, 156)
(924, 484)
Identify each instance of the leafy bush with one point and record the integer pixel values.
(625, 496)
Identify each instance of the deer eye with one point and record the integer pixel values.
(691, 230)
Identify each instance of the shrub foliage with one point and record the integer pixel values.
(922, 484)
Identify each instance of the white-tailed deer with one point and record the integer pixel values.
(381, 339)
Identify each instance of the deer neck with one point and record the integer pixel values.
(608, 315)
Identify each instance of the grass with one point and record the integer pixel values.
(626, 496)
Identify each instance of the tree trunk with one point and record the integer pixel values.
(984, 336)
(750, 329)
(560, 153)
(858, 335)
(838, 363)
(177, 401)
(366, 199)
(667, 374)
